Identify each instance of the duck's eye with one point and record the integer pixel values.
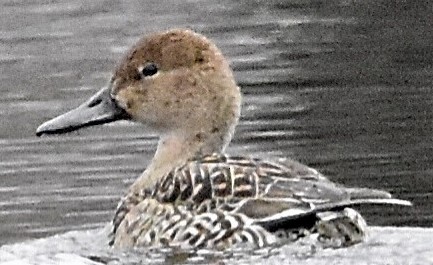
(149, 69)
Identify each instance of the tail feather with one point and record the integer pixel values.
(307, 217)
(359, 196)
(366, 193)
(354, 202)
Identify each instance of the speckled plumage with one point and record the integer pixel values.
(219, 201)
(191, 194)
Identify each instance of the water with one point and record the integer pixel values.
(385, 245)
(344, 86)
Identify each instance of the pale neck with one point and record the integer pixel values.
(174, 150)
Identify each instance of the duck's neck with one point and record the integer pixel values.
(175, 149)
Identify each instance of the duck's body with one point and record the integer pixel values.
(179, 84)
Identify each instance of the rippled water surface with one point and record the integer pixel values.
(344, 86)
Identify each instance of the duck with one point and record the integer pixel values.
(192, 194)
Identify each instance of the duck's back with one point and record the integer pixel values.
(221, 200)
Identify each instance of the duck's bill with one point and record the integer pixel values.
(99, 109)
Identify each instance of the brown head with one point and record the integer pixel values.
(176, 82)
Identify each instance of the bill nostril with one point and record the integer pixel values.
(95, 102)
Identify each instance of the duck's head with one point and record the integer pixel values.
(177, 83)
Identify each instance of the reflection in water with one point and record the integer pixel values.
(343, 86)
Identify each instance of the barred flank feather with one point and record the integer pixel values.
(218, 201)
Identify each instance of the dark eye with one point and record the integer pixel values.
(149, 69)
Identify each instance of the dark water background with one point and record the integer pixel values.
(344, 86)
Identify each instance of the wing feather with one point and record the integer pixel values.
(271, 194)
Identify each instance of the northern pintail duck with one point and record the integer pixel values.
(179, 84)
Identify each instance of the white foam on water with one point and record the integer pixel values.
(384, 245)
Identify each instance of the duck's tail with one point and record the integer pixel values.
(372, 196)
(292, 218)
